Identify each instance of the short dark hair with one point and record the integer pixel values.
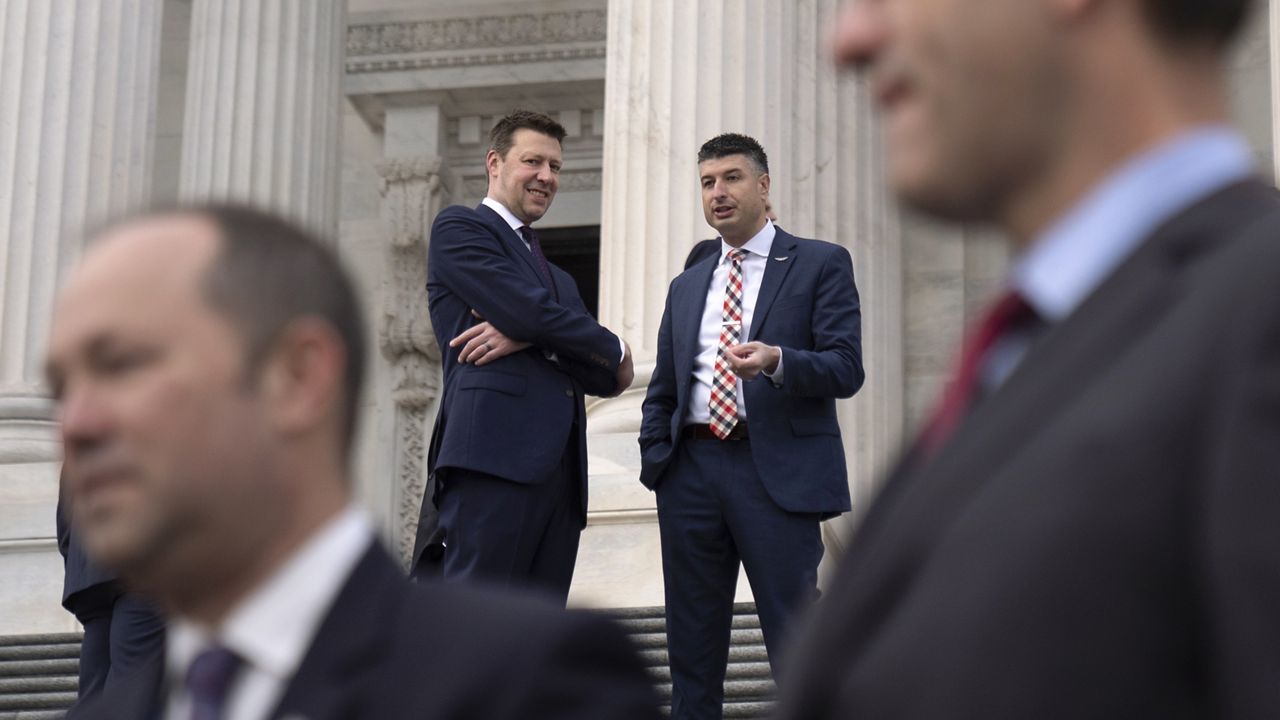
(503, 132)
(269, 273)
(1215, 21)
(735, 144)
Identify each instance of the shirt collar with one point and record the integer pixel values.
(515, 222)
(272, 629)
(1067, 262)
(759, 244)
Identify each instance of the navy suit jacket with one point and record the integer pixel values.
(513, 417)
(389, 649)
(808, 306)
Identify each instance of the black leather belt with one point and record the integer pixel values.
(703, 432)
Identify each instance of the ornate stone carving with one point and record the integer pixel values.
(486, 40)
(471, 32)
(413, 191)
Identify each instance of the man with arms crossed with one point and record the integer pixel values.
(1087, 527)
(207, 363)
(509, 446)
(739, 438)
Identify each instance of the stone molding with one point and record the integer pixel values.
(576, 181)
(484, 40)
(413, 191)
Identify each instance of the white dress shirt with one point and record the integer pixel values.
(272, 629)
(516, 223)
(753, 265)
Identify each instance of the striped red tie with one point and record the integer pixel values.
(724, 384)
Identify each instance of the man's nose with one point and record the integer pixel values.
(81, 416)
(861, 32)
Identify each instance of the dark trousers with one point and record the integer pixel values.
(713, 512)
(512, 534)
(121, 633)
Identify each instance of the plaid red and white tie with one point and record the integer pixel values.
(724, 384)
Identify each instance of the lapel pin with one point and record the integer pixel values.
(782, 259)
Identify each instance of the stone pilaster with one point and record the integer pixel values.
(413, 191)
(77, 111)
(263, 107)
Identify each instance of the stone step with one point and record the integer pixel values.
(39, 714)
(19, 668)
(747, 653)
(60, 651)
(37, 701)
(734, 690)
(45, 639)
(37, 684)
(745, 636)
(735, 671)
(639, 625)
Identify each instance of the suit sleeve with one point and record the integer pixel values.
(594, 378)
(833, 367)
(466, 257)
(660, 400)
(1240, 536)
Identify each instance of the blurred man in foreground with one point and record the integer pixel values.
(1087, 527)
(208, 365)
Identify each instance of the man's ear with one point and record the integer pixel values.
(764, 185)
(301, 379)
(491, 160)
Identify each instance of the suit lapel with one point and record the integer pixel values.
(779, 263)
(512, 239)
(344, 656)
(687, 305)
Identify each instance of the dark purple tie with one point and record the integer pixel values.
(544, 267)
(208, 680)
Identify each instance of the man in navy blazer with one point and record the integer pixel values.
(739, 438)
(520, 350)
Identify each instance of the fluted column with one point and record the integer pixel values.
(77, 113)
(680, 72)
(262, 121)
(77, 106)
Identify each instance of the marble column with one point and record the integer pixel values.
(263, 106)
(678, 74)
(78, 82)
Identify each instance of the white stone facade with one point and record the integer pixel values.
(108, 104)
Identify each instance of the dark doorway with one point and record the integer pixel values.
(577, 251)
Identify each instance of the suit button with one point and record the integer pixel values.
(568, 392)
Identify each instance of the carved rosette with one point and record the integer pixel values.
(413, 192)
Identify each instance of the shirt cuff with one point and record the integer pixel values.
(622, 350)
(775, 377)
